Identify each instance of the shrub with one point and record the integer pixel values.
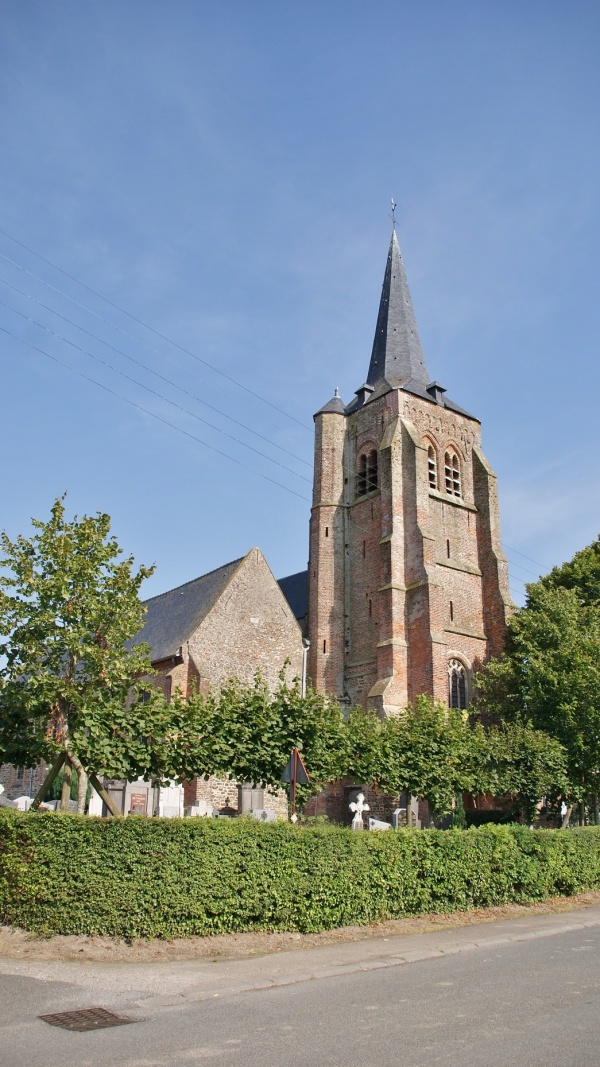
(138, 877)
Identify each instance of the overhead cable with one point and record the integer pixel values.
(153, 414)
(154, 392)
(140, 322)
(144, 366)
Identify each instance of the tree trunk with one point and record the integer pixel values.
(581, 813)
(65, 794)
(596, 809)
(48, 780)
(97, 784)
(82, 783)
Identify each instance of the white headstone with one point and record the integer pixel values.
(358, 806)
(378, 824)
(201, 809)
(264, 815)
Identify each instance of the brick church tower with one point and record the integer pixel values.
(408, 585)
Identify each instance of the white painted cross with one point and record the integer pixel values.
(358, 806)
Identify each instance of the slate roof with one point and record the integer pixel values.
(397, 359)
(173, 616)
(295, 591)
(397, 356)
(334, 406)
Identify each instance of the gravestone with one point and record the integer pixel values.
(264, 815)
(358, 806)
(202, 809)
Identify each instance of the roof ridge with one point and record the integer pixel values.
(192, 580)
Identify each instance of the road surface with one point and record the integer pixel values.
(520, 992)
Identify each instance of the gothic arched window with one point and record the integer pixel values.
(361, 476)
(452, 473)
(432, 467)
(457, 684)
(372, 471)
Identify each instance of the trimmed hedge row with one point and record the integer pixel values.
(138, 877)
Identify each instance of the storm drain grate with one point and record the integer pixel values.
(86, 1019)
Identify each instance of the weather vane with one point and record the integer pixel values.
(393, 213)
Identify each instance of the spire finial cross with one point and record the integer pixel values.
(393, 213)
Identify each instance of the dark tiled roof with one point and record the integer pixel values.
(397, 360)
(295, 591)
(397, 355)
(172, 617)
(335, 406)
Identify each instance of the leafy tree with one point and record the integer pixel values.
(581, 574)
(243, 731)
(549, 673)
(424, 751)
(68, 608)
(518, 763)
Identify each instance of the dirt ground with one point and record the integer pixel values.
(17, 944)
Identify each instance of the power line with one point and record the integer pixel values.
(114, 326)
(153, 414)
(140, 322)
(536, 561)
(513, 563)
(154, 392)
(150, 370)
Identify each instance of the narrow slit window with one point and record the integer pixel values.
(451, 612)
(364, 549)
(327, 531)
(432, 467)
(448, 549)
(370, 608)
(324, 646)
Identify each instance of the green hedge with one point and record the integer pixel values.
(138, 877)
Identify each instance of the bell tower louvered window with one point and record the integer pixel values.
(432, 467)
(452, 474)
(366, 473)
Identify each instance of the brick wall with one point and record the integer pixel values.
(414, 576)
(21, 781)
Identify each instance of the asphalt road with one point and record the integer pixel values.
(517, 992)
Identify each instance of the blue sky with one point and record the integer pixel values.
(222, 174)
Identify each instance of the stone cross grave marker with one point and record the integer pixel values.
(358, 806)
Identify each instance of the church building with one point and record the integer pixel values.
(407, 587)
(407, 583)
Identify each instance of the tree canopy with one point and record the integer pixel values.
(69, 607)
(549, 673)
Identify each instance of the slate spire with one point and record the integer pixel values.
(397, 357)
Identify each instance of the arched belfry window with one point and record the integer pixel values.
(432, 467)
(372, 471)
(457, 684)
(452, 473)
(361, 476)
(366, 473)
